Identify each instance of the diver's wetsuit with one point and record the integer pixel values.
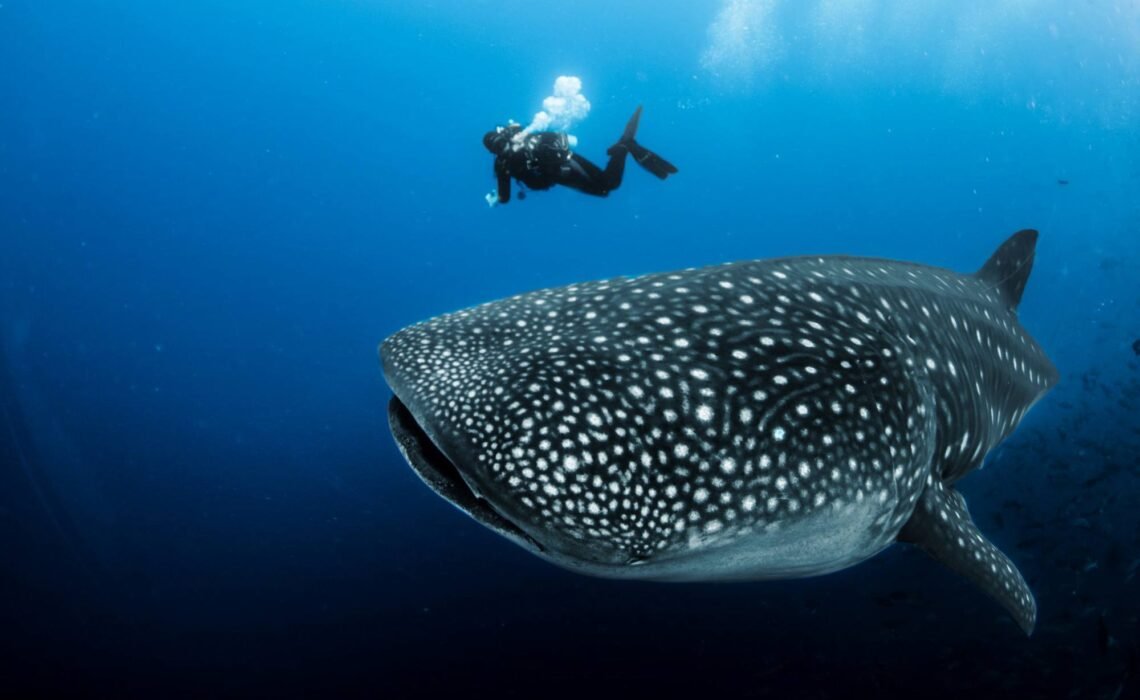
(542, 160)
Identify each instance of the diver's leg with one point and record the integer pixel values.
(582, 175)
(608, 179)
(615, 168)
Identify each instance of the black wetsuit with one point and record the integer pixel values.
(542, 160)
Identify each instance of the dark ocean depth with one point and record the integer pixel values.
(212, 212)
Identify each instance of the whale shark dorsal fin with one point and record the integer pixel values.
(1008, 268)
(942, 527)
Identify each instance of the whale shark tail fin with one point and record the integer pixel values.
(1008, 268)
(941, 525)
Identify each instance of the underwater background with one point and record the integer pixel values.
(212, 212)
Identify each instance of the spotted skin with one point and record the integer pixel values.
(761, 419)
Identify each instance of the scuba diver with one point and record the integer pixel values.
(542, 160)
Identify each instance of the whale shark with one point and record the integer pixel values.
(752, 420)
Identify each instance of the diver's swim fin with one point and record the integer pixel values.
(650, 160)
(644, 157)
(631, 127)
(626, 139)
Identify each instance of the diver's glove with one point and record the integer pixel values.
(492, 198)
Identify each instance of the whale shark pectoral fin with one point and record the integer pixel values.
(941, 526)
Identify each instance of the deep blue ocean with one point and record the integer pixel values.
(212, 212)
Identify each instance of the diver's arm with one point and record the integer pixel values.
(504, 180)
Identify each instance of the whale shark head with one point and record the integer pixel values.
(761, 419)
(648, 422)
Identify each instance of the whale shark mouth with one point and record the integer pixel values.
(444, 477)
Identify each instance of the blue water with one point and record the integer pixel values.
(212, 212)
